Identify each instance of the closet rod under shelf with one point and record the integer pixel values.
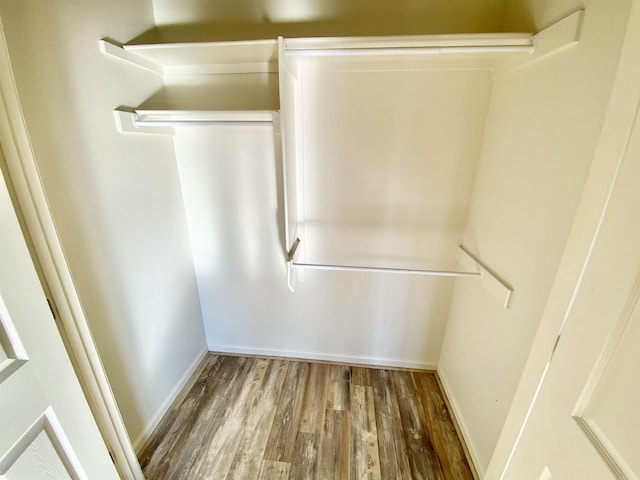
(410, 271)
(202, 123)
(350, 268)
(343, 52)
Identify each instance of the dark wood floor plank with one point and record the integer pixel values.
(394, 458)
(365, 461)
(338, 387)
(360, 376)
(202, 421)
(282, 438)
(304, 465)
(422, 456)
(260, 419)
(252, 440)
(169, 430)
(221, 450)
(440, 425)
(334, 453)
(313, 406)
(271, 470)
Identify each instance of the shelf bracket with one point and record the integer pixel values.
(126, 122)
(115, 49)
(496, 287)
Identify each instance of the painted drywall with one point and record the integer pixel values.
(204, 19)
(380, 189)
(233, 201)
(542, 129)
(230, 181)
(115, 198)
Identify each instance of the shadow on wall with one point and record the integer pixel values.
(518, 17)
(200, 20)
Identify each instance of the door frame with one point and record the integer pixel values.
(620, 117)
(21, 173)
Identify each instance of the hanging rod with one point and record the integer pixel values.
(352, 268)
(202, 119)
(137, 122)
(500, 290)
(362, 51)
(407, 271)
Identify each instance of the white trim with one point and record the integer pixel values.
(25, 179)
(151, 425)
(324, 356)
(464, 431)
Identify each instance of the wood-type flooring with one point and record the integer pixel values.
(252, 418)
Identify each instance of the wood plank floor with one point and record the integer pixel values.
(269, 419)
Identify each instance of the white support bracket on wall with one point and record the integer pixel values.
(115, 49)
(496, 287)
(555, 38)
(201, 58)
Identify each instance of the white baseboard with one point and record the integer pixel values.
(480, 468)
(324, 357)
(140, 440)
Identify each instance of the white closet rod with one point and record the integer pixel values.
(344, 52)
(409, 271)
(351, 268)
(201, 123)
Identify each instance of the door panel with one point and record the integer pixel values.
(12, 354)
(22, 401)
(584, 423)
(46, 427)
(39, 453)
(609, 416)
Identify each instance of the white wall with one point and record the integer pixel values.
(230, 178)
(230, 183)
(300, 18)
(115, 198)
(383, 185)
(541, 132)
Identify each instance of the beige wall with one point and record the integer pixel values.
(384, 184)
(115, 198)
(269, 18)
(541, 132)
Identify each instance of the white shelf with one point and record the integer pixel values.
(249, 56)
(335, 114)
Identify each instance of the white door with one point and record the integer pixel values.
(46, 427)
(585, 423)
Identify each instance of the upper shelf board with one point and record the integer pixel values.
(247, 56)
(250, 56)
(253, 56)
